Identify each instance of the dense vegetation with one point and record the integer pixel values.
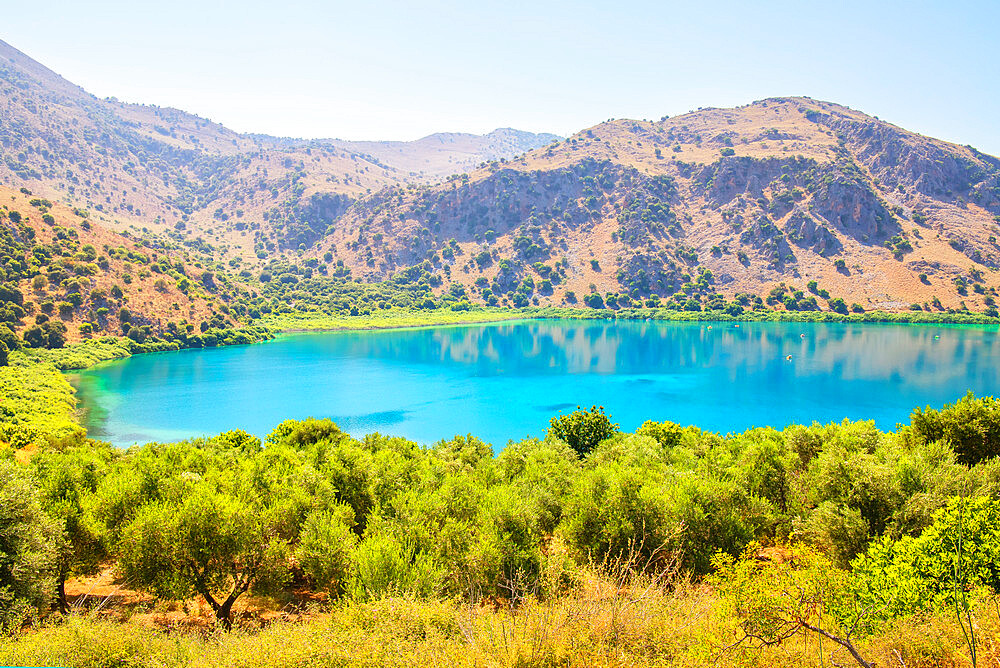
(868, 527)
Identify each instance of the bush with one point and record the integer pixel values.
(385, 566)
(971, 426)
(780, 594)
(504, 559)
(960, 551)
(583, 430)
(300, 433)
(667, 434)
(326, 547)
(838, 305)
(614, 513)
(27, 549)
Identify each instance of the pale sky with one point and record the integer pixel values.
(402, 70)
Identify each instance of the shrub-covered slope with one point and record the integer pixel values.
(789, 190)
(65, 276)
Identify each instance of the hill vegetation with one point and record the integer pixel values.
(731, 546)
(790, 194)
(161, 169)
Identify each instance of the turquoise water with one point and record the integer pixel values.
(504, 381)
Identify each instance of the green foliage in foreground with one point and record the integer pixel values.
(28, 541)
(583, 430)
(959, 552)
(382, 516)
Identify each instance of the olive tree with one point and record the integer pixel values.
(970, 425)
(66, 479)
(212, 518)
(583, 430)
(209, 540)
(326, 547)
(27, 547)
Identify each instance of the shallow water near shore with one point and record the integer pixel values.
(504, 381)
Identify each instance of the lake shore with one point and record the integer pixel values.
(401, 319)
(44, 364)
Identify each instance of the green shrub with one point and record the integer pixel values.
(615, 513)
(386, 566)
(667, 434)
(970, 425)
(505, 557)
(583, 430)
(301, 433)
(960, 551)
(326, 548)
(28, 540)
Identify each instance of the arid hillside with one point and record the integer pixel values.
(162, 169)
(790, 200)
(60, 267)
(720, 201)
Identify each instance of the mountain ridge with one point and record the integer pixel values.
(726, 168)
(167, 163)
(786, 199)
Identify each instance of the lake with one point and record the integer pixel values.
(504, 381)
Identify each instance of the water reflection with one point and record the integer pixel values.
(503, 381)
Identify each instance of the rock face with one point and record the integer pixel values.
(714, 202)
(780, 191)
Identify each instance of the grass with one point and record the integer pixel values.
(37, 403)
(400, 318)
(83, 354)
(599, 622)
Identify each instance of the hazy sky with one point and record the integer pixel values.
(401, 70)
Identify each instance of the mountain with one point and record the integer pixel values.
(791, 200)
(439, 155)
(726, 201)
(164, 169)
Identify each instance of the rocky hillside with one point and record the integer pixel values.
(162, 169)
(827, 201)
(792, 201)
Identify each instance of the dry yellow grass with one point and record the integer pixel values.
(599, 622)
